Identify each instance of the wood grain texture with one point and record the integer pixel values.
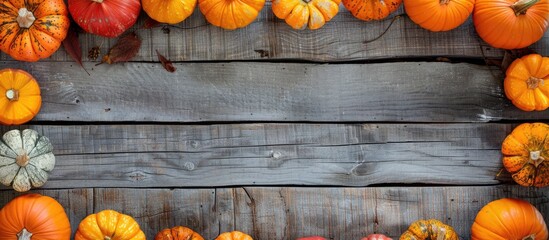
(274, 154)
(285, 213)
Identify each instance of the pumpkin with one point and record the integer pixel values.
(234, 235)
(300, 14)
(439, 15)
(32, 30)
(230, 14)
(509, 218)
(526, 82)
(511, 24)
(376, 237)
(431, 229)
(369, 10)
(33, 216)
(25, 159)
(169, 11)
(178, 233)
(20, 98)
(107, 18)
(312, 238)
(525, 151)
(107, 225)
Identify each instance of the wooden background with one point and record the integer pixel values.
(282, 133)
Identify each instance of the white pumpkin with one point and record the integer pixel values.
(25, 159)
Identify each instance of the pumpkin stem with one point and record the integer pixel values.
(25, 19)
(24, 235)
(22, 159)
(12, 94)
(107, 238)
(534, 82)
(521, 6)
(530, 237)
(444, 2)
(536, 159)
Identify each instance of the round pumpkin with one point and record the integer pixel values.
(106, 224)
(300, 14)
(526, 82)
(511, 24)
(312, 238)
(20, 98)
(36, 217)
(526, 154)
(107, 18)
(25, 159)
(178, 233)
(234, 235)
(376, 237)
(431, 229)
(32, 30)
(509, 218)
(369, 10)
(439, 15)
(230, 14)
(169, 11)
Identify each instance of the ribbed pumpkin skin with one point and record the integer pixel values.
(369, 10)
(42, 38)
(169, 11)
(23, 109)
(439, 15)
(234, 235)
(300, 14)
(41, 215)
(508, 218)
(230, 14)
(376, 237)
(431, 229)
(109, 223)
(107, 18)
(178, 233)
(526, 154)
(526, 82)
(498, 25)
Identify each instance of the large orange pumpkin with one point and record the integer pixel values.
(169, 11)
(526, 82)
(230, 14)
(439, 15)
(300, 14)
(31, 30)
(107, 225)
(178, 233)
(20, 98)
(36, 217)
(369, 10)
(509, 218)
(431, 229)
(511, 24)
(234, 235)
(526, 154)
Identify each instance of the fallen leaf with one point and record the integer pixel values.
(123, 50)
(167, 64)
(72, 46)
(150, 23)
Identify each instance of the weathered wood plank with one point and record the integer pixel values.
(198, 92)
(269, 38)
(285, 213)
(275, 154)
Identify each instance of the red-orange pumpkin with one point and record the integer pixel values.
(178, 233)
(107, 18)
(439, 15)
(369, 10)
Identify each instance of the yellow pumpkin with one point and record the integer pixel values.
(169, 11)
(20, 98)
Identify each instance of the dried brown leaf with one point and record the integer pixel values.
(123, 50)
(72, 46)
(167, 64)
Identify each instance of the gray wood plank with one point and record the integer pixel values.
(274, 154)
(241, 91)
(285, 213)
(270, 38)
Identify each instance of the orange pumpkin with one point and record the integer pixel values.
(369, 10)
(20, 98)
(33, 216)
(169, 11)
(509, 218)
(108, 223)
(511, 24)
(234, 235)
(526, 82)
(300, 14)
(439, 15)
(230, 14)
(178, 233)
(431, 229)
(525, 151)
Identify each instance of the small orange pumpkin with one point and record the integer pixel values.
(369, 10)
(439, 15)
(526, 154)
(509, 218)
(230, 14)
(108, 223)
(526, 82)
(300, 14)
(431, 229)
(178, 233)
(234, 235)
(20, 98)
(169, 11)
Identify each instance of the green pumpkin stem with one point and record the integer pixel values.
(25, 18)
(521, 6)
(12, 94)
(24, 235)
